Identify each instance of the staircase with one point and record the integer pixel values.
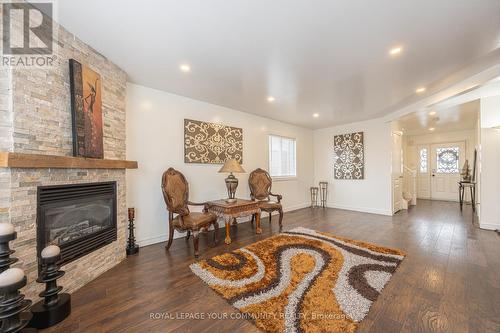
(409, 187)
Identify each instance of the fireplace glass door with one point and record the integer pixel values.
(71, 221)
(79, 218)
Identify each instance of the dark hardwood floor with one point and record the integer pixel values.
(449, 281)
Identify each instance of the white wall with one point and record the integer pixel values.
(411, 154)
(372, 194)
(478, 170)
(490, 163)
(155, 140)
(155, 136)
(412, 142)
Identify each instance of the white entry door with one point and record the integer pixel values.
(446, 161)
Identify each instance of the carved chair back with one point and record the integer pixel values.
(260, 184)
(175, 191)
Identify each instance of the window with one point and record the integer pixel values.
(447, 159)
(282, 161)
(423, 160)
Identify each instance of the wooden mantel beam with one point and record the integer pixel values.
(22, 160)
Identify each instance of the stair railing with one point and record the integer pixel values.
(410, 184)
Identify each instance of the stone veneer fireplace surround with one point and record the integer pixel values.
(35, 119)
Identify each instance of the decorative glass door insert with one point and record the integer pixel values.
(447, 159)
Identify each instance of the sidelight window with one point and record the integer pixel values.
(423, 160)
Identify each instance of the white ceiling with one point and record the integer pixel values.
(325, 57)
(442, 119)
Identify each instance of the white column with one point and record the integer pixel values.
(489, 168)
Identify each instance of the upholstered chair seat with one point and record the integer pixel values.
(175, 190)
(260, 184)
(266, 205)
(194, 220)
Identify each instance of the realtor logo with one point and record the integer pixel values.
(27, 29)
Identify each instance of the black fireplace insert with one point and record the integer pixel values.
(79, 218)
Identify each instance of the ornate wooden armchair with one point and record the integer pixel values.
(176, 193)
(260, 189)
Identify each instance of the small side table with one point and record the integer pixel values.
(323, 188)
(314, 196)
(230, 211)
(462, 185)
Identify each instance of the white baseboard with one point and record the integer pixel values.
(361, 209)
(158, 239)
(489, 226)
(152, 240)
(164, 237)
(295, 207)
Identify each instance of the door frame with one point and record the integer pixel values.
(429, 162)
(462, 158)
(396, 175)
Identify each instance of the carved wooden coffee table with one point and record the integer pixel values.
(230, 211)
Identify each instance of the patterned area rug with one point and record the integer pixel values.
(302, 280)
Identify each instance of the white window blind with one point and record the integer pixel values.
(282, 156)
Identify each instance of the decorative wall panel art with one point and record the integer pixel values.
(211, 143)
(86, 110)
(349, 156)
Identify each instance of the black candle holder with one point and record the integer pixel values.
(5, 260)
(14, 316)
(132, 248)
(54, 307)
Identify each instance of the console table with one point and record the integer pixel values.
(229, 211)
(462, 185)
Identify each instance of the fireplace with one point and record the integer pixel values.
(79, 218)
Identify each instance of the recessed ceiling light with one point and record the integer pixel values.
(432, 113)
(315, 115)
(431, 129)
(420, 90)
(395, 50)
(271, 99)
(185, 68)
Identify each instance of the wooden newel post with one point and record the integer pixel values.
(132, 248)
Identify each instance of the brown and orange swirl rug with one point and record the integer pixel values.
(302, 280)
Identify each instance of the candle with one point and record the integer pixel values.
(131, 213)
(11, 276)
(51, 251)
(6, 229)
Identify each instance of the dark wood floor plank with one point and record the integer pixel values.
(449, 281)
